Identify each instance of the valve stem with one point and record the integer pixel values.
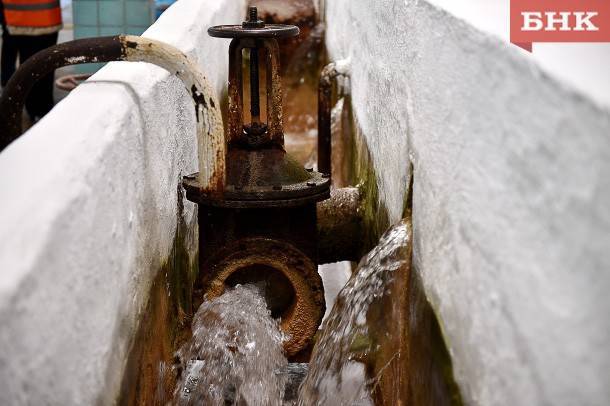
(255, 106)
(255, 109)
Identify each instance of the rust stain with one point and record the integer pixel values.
(198, 97)
(300, 320)
(150, 374)
(129, 44)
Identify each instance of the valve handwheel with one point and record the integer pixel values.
(254, 28)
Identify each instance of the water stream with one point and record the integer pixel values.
(342, 361)
(235, 354)
(379, 345)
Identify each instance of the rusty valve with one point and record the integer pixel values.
(263, 227)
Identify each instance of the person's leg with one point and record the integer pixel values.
(8, 59)
(40, 100)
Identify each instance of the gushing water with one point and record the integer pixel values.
(340, 365)
(235, 354)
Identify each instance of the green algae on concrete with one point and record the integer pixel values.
(355, 167)
(410, 363)
(148, 378)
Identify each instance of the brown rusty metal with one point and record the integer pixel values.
(269, 31)
(275, 190)
(253, 28)
(274, 126)
(208, 123)
(340, 226)
(236, 97)
(254, 133)
(125, 48)
(283, 240)
(274, 97)
(263, 177)
(292, 285)
(259, 173)
(327, 76)
(253, 21)
(263, 229)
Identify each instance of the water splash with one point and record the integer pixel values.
(341, 367)
(235, 355)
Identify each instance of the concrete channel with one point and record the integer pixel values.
(497, 167)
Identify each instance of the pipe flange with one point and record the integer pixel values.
(300, 320)
(314, 189)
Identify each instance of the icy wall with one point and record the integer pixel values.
(512, 189)
(88, 213)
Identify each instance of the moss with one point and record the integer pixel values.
(360, 171)
(164, 326)
(429, 359)
(361, 343)
(180, 268)
(442, 358)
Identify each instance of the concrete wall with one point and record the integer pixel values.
(511, 196)
(512, 185)
(88, 214)
(581, 65)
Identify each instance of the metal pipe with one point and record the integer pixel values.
(328, 74)
(210, 136)
(340, 226)
(235, 90)
(274, 91)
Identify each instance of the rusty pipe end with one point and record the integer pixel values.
(340, 226)
(329, 73)
(292, 286)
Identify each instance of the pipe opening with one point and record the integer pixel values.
(277, 289)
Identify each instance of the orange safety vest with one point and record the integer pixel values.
(32, 17)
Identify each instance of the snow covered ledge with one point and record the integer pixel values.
(511, 196)
(88, 214)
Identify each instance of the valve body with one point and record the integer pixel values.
(262, 228)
